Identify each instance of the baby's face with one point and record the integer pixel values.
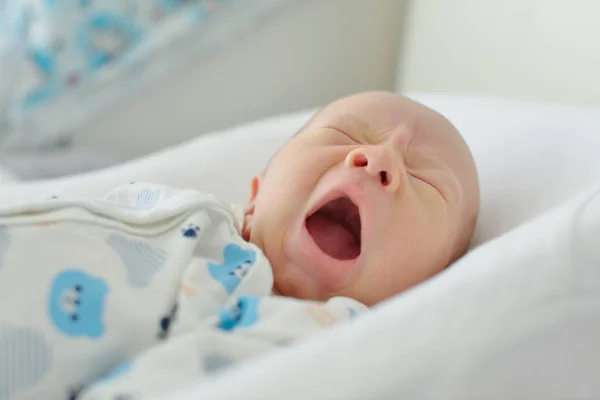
(374, 195)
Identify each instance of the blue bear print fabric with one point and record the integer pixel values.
(82, 37)
(76, 304)
(25, 357)
(147, 198)
(57, 56)
(237, 261)
(142, 261)
(242, 315)
(105, 36)
(166, 321)
(113, 283)
(352, 312)
(191, 231)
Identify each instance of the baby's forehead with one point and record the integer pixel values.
(376, 111)
(384, 114)
(368, 109)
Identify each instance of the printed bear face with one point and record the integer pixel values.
(236, 264)
(76, 304)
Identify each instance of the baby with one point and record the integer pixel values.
(151, 287)
(375, 194)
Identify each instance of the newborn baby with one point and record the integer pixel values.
(375, 194)
(151, 287)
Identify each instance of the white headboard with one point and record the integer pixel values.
(533, 49)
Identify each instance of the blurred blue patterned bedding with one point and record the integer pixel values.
(63, 61)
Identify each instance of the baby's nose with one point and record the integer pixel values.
(378, 162)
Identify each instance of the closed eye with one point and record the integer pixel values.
(342, 132)
(428, 183)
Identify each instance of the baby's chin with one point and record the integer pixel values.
(295, 290)
(291, 281)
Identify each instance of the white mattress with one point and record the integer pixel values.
(518, 317)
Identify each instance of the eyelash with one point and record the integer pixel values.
(427, 183)
(343, 133)
(430, 185)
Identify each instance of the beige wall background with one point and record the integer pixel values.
(314, 51)
(532, 49)
(305, 55)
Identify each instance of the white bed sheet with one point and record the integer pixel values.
(505, 320)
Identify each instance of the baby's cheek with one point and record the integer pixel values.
(400, 261)
(291, 282)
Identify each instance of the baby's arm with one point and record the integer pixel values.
(249, 327)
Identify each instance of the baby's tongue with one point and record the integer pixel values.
(332, 237)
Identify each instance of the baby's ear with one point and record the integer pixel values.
(249, 213)
(254, 187)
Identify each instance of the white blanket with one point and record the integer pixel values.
(149, 281)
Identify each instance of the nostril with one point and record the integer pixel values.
(360, 160)
(383, 176)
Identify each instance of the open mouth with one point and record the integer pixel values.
(336, 229)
